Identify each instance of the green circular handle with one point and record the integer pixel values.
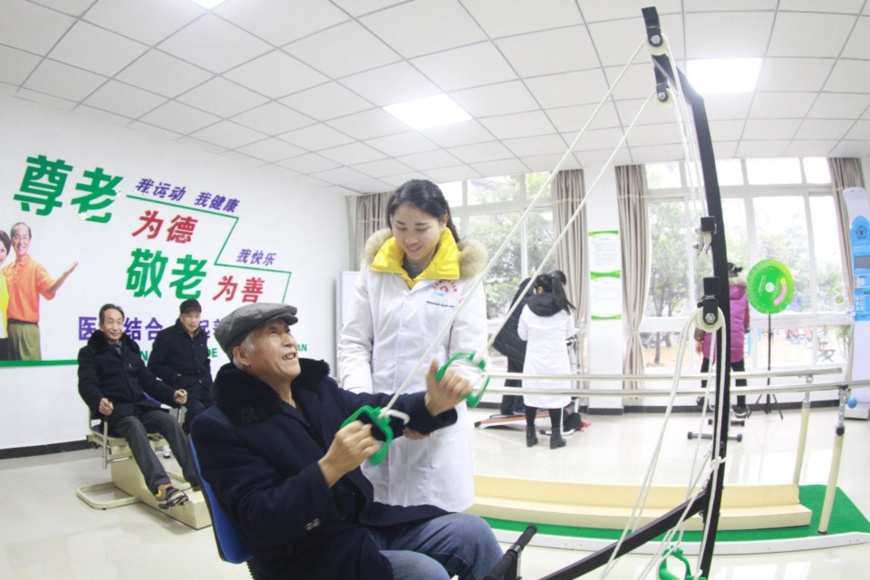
(769, 286)
(382, 423)
(474, 398)
(665, 574)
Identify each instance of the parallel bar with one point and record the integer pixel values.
(648, 377)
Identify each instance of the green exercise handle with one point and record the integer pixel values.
(474, 398)
(665, 574)
(382, 423)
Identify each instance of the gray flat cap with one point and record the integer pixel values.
(236, 325)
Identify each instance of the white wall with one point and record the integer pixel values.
(304, 226)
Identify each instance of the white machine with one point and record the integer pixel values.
(858, 205)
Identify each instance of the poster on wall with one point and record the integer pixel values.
(78, 233)
(605, 275)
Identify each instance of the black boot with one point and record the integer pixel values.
(531, 436)
(556, 440)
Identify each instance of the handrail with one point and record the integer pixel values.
(664, 377)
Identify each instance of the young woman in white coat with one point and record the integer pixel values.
(413, 277)
(546, 322)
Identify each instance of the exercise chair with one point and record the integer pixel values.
(127, 485)
(231, 547)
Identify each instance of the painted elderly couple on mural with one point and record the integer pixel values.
(22, 282)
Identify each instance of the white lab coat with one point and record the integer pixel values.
(546, 353)
(389, 329)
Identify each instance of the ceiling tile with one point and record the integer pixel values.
(732, 34)
(163, 74)
(222, 98)
(273, 119)
(568, 119)
(519, 125)
(857, 149)
(42, 98)
(761, 148)
(31, 27)
(308, 163)
(228, 134)
(368, 186)
(841, 6)
(757, 129)
(658, 153)
(455, 173)
(148, 22)
(179, 118)
(549, 162)
(501, 18)
(824, 129)
(725, 149)
(125, 100)
(533, 146)
(361, 7)
(480, 152)
(340, 176)
(470, 66)
(271, 150)
(383, 168)
(492, 100)
(202, 145)
(550, 51)
(727, 130)
(158, 132)
(638, 81)
(275, 75)
(568, 89)
(429, 160)
(464, 133)
(651, 135)
(812, 148)
(849, 76)
(596, 139)
(343, 50)
(839, 106)
(62, 80)
(17, 65)
(500, 167)
(91, 48)
(102, 115)
(391, 84)
(402, 143)
(424, 26)
(278, 21)
(858, 45)
(794, 74)
(724, 107)
(596, 11)
(214, 44)
(812, 35)
(352, 154)
(71, 7)
(596, 158)
(861, 130)
(315, 137)
(368, 124)
(327, 102)
(781, 105)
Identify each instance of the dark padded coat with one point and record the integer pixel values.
(123, 379)
(181, 361)
(260, 455)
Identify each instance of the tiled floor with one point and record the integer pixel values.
(47, 533)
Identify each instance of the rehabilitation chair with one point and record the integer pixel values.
(231, 547)
(127, 485)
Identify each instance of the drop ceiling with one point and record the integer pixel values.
(299, 85)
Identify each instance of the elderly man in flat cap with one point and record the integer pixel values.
(287, 473)
(179, 356)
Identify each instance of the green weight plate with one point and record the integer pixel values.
(769, 286)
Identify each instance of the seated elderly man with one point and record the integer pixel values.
(287, 473)
(114, 381)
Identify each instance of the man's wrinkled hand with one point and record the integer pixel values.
(445, 394)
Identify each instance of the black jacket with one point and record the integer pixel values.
(260, 455)
(181, 361)
(123, 379)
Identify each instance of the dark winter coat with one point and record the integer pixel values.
(182, 361)
(123, 379)
(260, 455)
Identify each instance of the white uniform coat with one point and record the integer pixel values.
(389, 329)
(546, 353)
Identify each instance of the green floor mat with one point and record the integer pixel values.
(845, 518)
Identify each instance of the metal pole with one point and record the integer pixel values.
(828, 504)
(802, 438)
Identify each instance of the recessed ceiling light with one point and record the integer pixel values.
(428, 112)
(724, 75)
(208, 4)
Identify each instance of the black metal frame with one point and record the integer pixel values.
(709, 501)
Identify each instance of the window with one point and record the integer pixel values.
(777, 212)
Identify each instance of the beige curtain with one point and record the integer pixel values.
(632, 196)
(845, 173)
(571, 255)
(371, 216)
